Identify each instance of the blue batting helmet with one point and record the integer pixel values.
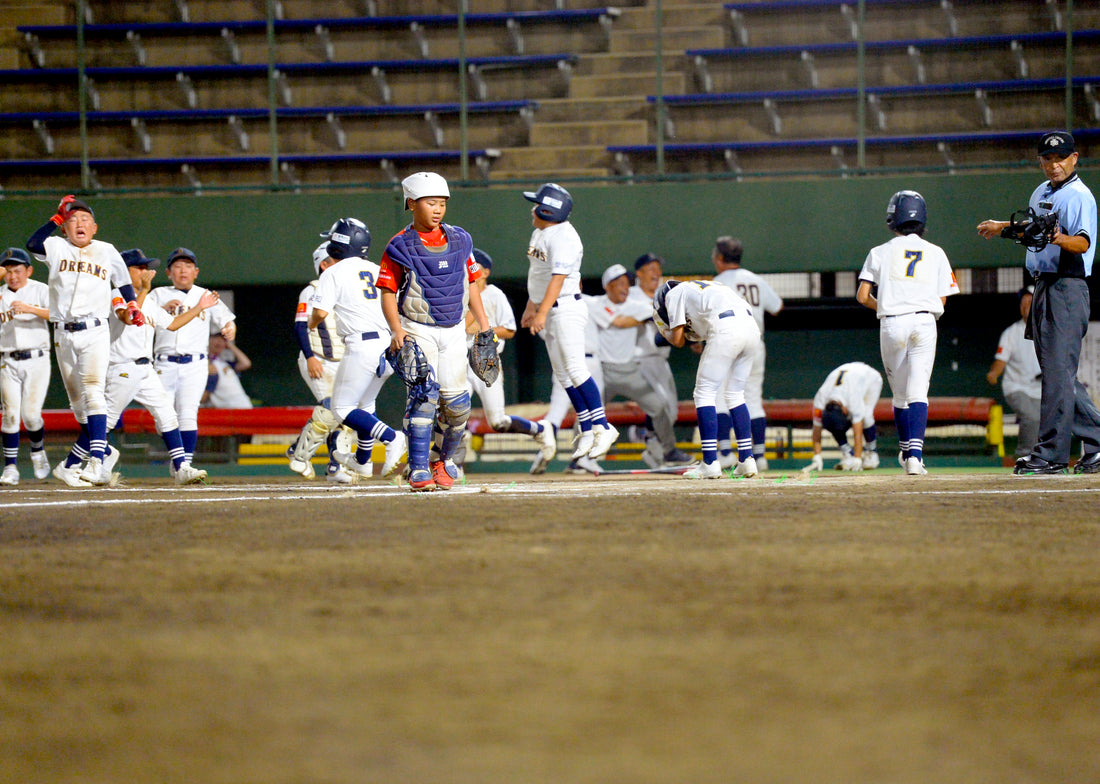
(659, 305)
(348, 238)
(553, 202)
(905, 209)
(835, 420)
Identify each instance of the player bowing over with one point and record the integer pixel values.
(847, 399)
(914, 280)
(702, 311)
(349, 291)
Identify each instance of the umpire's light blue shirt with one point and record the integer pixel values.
(1076, 209)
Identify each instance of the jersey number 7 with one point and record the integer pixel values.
(912, 256)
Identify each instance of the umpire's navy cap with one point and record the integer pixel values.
(182, 253)
(1060, 142)
(646, 258)
(135, 257)
(13, 256)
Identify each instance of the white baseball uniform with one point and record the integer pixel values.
(653, 359)
(557, 250)
(347, 291)
(854, 385)
(180, 356)
(912, 276)
(131, 376)
(325, 343)
(500, 314)
(560, 404)
(80, 283)
(24, 357)
(224, 385)
(762, 298)
(1021, 383)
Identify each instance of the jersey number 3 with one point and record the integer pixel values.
(370, 291)
(912, 256)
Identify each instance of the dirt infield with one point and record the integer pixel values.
(601, 630)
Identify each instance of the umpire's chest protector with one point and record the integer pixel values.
(435, 284)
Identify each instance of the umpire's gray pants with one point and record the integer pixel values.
(1027, 410)
(627, 380)
(1058, 321)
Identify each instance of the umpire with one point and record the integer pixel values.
(1060, 310)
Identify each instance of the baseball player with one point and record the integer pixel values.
(554, 305)
(318, 360)
(24, 361)
(226, 362)
(349, 293)
(618, 320)
(847, 399)
(1060, 309)
(702, 311)
(83, 271)
(503, 322)
(756, 291)
(1022, 377)
(914, 280)
(427, 272)
(180, 355)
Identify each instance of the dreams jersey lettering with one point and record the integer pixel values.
(555, 250)
(23, 331)
(81, 279)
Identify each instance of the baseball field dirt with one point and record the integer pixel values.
(611, 630)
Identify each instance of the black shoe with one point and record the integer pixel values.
(1037, 466)
(1089, 464)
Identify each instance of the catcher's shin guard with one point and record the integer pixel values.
(419, 421)
(453, 415)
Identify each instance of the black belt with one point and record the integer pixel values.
(79, 326)
(726, 314)
(30, 353)
(369, 336)
(181, 359)
(575, 296)
(914, 313)
(589, 356)
(143, 361)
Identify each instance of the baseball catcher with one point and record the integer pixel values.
(411, 366)
(1030, 229)
(483, 356)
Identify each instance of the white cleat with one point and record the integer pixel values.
(10, 475)
(604, 436)
(41, 464)
(110, 459)
(704, 471)
(539, 465)
(70, 476)
(747, 468)
(187, 474)
(914, 466)
(870, 460)
(901, 459)
(298, 466)
(761, 463)
(548, 442)
(95, 472)
(395, 450)
(582, 443)
(727, 460)
(338, 475)
(348, 461)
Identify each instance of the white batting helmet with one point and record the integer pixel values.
(422, 184)
(319, 255)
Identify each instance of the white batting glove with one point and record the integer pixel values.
(850, 463)
(816, 464)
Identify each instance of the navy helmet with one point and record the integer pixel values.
(553, 202)
(13, 256)
(483, 259)
(348, 238)
(836, 421)
(906, 210)
(659, 305)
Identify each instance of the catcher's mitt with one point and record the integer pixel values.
(484, 358)
(1031, 229)
(409, 364)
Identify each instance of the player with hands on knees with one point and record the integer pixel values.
(82, 273)
(847, 399)
(1060, 261)
(914, 280)
(705, 312)
(24, 362)
(555, 307)
(348, 292)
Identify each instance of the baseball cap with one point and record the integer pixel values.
(614, 272)
(1060, 142)
(646, 258)
(76, 205)
(483, 259)
(320, 253)
(13, 256)
(182, 253)
(136, 258)
(422, 184)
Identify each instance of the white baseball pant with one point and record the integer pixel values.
(908, 345)
(23, 386)
(82, 359)
(357, 382)
(565, 341)
(445, 350)
(726, 363)
(320, 387)
(129, 381)
(185, 383)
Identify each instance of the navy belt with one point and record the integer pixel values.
(914, 313)
(181, 359)
(143, 361)
(79, 326)
(369, 336)
(30, 353)
(575, 296)
(726, 314)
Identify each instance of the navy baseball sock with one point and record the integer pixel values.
(707, 417)
(97, 435)
(11, 448)
(37, 439)
(174, 442)
(591, 394)
(759, 427)
(918, 423)
(901, 421)
(79, 451)
(870, 438)
(584, 418)
(518, 424)
(724, 425)
(190, 439)
(742, 431)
